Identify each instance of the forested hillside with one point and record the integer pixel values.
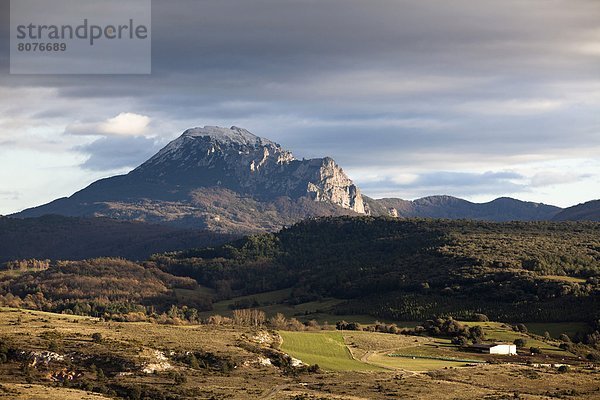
(411, 269)
(103, 287)
(74, 238)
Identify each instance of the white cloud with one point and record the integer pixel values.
(514, 107)
(549, 178)
(124, 124)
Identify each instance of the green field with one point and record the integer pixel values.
(499, 332)
(413, 364)
(327, 349)
(555, 329)
(428, 355)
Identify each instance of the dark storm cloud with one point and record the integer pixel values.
(370, 83)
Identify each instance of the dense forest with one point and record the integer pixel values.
(74, 238)
(412, 269)
(384, 267)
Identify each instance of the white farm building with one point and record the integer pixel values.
(496, 348)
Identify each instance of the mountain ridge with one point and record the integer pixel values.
(501, 209)
(588, 211)
(230, 180)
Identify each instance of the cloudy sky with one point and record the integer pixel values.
(472, 98)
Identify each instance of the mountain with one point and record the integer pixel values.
(589, 211)
(219, 179)
(230, 180)
(501, 209)
(72, 238)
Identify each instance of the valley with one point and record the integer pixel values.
(330, 308)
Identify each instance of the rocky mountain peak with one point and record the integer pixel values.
(233, 135)
(238, 160)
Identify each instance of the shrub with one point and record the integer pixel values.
(564, 368)
(53, 346)
(480, 317)
(348, 326)
(97, 337)
(564, 338)
(520, 342)
(521, 328)
(461, 341)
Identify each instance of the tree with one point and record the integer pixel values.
(521, 328)
(100, 375)
(341, 325)
(480, 317)
(278, 321)
(520, 342)
(564, 338)
(249, 317)
(564, 368)
(461, 341)
(476, 334)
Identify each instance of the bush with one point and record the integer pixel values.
(521, 328)
(520, 342)
(97, 337)
(564, 338)
(348, 326)
(476, 334)
(564, 368)
(480, 317)
(567, 346)
(535, 350)
(53, 346)
(461, 341)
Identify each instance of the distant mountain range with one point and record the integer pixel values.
(502, 209)
(589, 211)
(229, 180)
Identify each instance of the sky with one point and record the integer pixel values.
(472, 98)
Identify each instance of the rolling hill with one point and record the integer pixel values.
(589, 211)
(412, 269)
